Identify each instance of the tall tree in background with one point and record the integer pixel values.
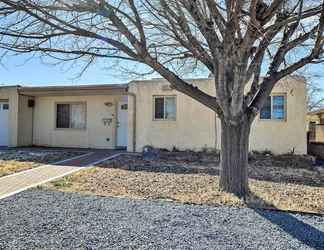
(315, 95)
(235, 40)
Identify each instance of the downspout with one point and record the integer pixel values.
(216, 135)
(134, 119)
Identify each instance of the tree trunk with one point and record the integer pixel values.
(234, 158)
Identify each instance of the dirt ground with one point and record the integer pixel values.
(262, 166)
(13, 161)
(285, 182)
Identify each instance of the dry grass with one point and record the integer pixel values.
(13, 161)
(11, 167)
(190, 188)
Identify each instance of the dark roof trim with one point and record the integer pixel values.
(76, 90)
(75, 87)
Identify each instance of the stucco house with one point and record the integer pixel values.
(141, 113)
(315, 121)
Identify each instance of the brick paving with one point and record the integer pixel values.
(15, 183)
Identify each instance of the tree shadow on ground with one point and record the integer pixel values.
(298, 229)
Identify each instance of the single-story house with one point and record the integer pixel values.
(316, 125)
(141, 113)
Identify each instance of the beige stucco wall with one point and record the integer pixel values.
(11, 94)
(288, 135)
(96, 134)
(187, 131)
(194, 127)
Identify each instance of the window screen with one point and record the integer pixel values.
(63, 116)
(265, 112)
(274, 108)
(165, 108)
(278, 107)
(159, 108)
(71, 116)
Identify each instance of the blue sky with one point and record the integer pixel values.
(25, 71)
(18, 70)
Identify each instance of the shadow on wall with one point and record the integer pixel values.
(301, 231)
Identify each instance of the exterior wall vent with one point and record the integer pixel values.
(166, 88)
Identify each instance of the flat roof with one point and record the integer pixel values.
(9, 86)
(74, 90)
(73, 87)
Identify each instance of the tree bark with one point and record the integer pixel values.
(234, 157)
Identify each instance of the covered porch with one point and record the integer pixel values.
(78, 116)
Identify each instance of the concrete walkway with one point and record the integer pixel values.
(18, 182)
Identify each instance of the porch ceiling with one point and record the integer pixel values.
(77, 90)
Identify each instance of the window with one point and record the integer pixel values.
(274, 108)
(164, 108)
(266, 109)
(71, 115)
(124, 106)
(5, 106)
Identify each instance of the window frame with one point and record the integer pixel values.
(164, 103)
(70, 120)
(284, 119)
(3, 105)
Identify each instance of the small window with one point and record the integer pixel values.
(274, 108)
(71, 115)
(164, 108)
(124, 106)
(5, 106)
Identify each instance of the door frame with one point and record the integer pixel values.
(6, 101)
(116, 127)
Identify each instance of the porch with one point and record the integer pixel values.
(68, 116)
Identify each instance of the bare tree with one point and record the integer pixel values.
(233, 39)
(315, 95)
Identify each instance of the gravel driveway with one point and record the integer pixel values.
(43, 219)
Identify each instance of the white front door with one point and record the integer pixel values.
(122, 124)
(4, 123)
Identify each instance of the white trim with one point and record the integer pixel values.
(121, 129)
(60, 176)
(40, 183)
(284, 119)
(46, 165)
(164, 108)
(84, 103)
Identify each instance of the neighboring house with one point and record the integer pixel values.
(143, 113)
(316, 125)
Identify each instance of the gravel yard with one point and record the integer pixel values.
(289, 183)
(296, 169)
(43, 219)
(17, 160)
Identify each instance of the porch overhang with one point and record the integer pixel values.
(77, 90)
